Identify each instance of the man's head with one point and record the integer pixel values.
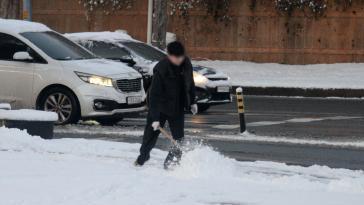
(176, 53)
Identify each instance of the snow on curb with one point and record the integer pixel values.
(78, 172)
(5, 106)
(28, 115)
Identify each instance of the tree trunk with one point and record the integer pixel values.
(10, 9)
(160, 19)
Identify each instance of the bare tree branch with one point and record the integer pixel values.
(160, 19)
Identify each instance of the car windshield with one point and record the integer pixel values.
(145, 51)
(204, 70)
(56, 46)
(106, 50)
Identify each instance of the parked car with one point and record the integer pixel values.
(212, 87)
(41, 69)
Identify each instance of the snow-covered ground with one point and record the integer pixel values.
(327, 76)
(78, 171)
(28, 115)
(5, 106)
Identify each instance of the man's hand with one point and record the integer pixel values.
(194, 109)
(155, 125)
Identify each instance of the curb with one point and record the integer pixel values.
(303, 92)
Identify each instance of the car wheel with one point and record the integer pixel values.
(63, 102)
(203, 107)
(109, 121)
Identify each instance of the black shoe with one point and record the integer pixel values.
(140, 160)
(136, 163)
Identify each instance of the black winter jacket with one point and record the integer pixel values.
(163, 90)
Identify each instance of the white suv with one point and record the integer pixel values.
(41, 69)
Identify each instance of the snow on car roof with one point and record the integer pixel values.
(105, 36)
(19, 26)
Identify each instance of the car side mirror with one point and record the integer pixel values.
(128, 60)
(22, 56)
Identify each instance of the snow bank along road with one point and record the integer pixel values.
(302, 131)
(83, 172)
(326, 76)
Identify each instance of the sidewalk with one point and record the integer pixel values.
(321, 80)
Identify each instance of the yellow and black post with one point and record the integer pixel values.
(241, 109)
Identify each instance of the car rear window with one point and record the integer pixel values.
(106, 50)
(145, 51)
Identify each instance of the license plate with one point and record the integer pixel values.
(134, 100)
(223, 89)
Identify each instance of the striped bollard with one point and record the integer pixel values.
(240, 101)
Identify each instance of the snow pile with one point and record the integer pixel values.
(326, 76)
(5, 106)
(105, 36)
(78, 171)
(28, 115)
(18, 26)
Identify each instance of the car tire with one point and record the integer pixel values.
(63, 102)
(109, 121)
(203, 108)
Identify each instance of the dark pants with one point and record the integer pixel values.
(150, 137)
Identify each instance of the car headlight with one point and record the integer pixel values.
(94, 79)
(199, 78)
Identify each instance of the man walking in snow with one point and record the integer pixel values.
(171, 93)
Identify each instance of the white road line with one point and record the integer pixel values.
(227, 127)
(135, 119)
(144, 120)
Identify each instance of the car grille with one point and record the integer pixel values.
(220, 96)
(129, 85)
(217, 79)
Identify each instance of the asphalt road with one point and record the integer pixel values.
(291, 117)
(296, 118)
(316, 118)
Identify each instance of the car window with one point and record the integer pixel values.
(145, 51)
(9, 45)
(56, 46)
(106, 50)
